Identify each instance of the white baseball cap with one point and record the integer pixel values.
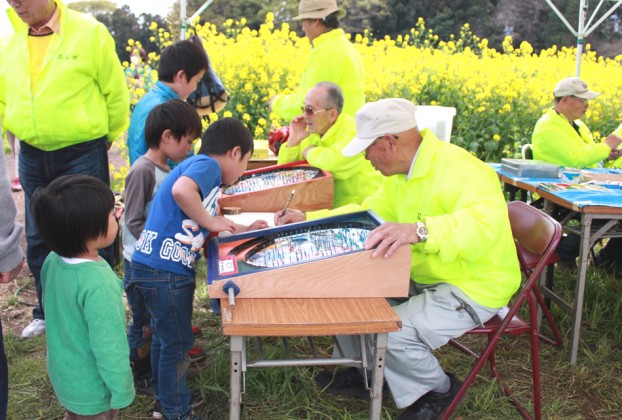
(376, 119)
(573, 86)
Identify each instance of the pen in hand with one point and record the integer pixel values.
(289, 200)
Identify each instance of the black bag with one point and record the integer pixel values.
(210, 96)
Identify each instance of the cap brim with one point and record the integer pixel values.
(588, 95)
(356, 146)
(319, 14)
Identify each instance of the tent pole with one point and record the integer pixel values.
(182, 19)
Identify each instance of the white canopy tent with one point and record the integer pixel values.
(584, 29)
(184, 20)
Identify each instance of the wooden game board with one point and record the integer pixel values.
(323, 258)
(268, 189)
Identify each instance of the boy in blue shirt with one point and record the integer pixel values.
(170, 131)
(182, 215)
(181, 67)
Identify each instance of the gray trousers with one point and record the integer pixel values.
(431, 316)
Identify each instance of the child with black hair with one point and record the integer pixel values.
(182, 214)
(181, 67)
(88, 355)
(170, 131)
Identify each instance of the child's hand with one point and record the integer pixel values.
(257, 224)
(290, 216)
(221, 224)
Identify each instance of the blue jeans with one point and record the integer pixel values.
(139, 330)
(37, 169)
(168, 297)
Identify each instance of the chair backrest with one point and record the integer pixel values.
(526, 151)
(536, 235)
(439, 119)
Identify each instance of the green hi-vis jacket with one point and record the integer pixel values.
(458, 197)
(618, 162)
(355, 178)
(554, 140)
(80, 94)
(332, 59)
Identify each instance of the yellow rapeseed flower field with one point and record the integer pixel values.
(498, 95)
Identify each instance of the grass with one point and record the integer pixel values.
(592, 389)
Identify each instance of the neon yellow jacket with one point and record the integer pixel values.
(458, 197)
(81, 93)
(355, 178)
(618, 162)
(554, 140)
(332, 59)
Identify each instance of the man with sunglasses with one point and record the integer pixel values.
(320, 134)
(63, 94)
(332, 58)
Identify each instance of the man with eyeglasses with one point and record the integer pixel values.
(320, 134)
(464, 265)
(333, 58)
(63, 94)
(560, 137)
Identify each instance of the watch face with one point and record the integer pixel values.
(422, 232)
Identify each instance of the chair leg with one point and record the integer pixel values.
(535, 352)
(545, 311)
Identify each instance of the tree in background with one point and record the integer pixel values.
(122, 24)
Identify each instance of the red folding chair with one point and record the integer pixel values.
(536, 235)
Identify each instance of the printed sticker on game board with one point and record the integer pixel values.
(227, 266)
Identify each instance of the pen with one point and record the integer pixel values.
(289, 200)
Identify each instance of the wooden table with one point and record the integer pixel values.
(256, 163)
(589, 234)
(307, 317)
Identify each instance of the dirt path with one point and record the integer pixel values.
(16, 309)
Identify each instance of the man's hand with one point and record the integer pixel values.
(297, 131)
(290, 216)
(613, 141)
(388, 237)
(8, 276)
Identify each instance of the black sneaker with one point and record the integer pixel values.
(431, 405)
(348, 382)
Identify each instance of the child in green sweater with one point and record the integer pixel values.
(88, 354)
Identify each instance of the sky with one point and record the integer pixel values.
(155, 7)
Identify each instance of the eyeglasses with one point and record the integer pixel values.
(310, 112)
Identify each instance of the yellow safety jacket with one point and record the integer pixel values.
(332, 59)
(554, 140)
(458, 197)
(355, 178)
(618, 162)
(80, 94)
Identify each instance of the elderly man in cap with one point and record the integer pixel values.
(464, 266)
(560, 137)
(320, 134)
(332, 59)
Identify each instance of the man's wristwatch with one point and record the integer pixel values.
(422, 232)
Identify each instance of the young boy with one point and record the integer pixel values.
(182, 215)
(88, 355)
(170, 130)
(181, 67)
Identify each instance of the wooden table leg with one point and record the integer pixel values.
(237, 347)
(377, 376)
